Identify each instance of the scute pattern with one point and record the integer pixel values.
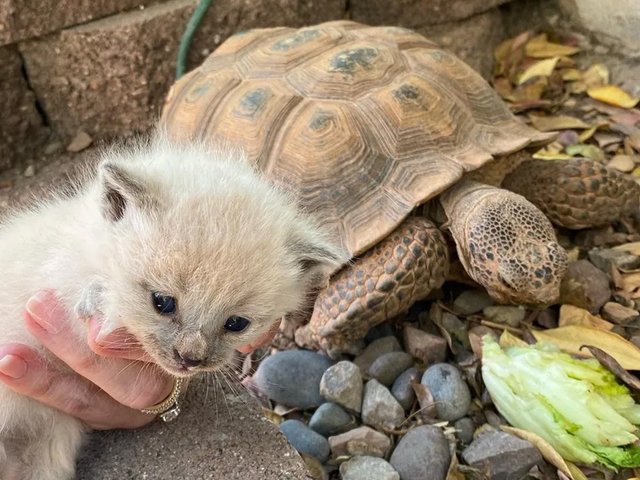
(384, 282)
(365, 122)
(505, 243)
(586, 196)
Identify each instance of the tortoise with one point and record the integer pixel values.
(368, 123)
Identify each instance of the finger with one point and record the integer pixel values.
(118, 343)
(135, 384)
(263, 340)
(24, 371)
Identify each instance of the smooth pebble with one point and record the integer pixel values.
(449, 390)
(305, 440)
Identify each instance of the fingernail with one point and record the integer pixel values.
(41, 306)
(13, 366)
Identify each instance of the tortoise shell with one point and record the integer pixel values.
(365, 123)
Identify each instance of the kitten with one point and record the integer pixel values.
(186, 246)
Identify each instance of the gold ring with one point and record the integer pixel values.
(168, 409)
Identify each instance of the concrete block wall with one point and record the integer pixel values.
(104, 66)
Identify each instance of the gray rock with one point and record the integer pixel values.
(585, 286)
(305, 440)
(374, 350)
(422, 453)
(360, 441)
(330, 419)
(607, 258)
(402, 389)
(292, 377)
(379, 408)
(471, 301)
(505, 314)
(342, 384)
(450, 391)
(368, 468)
(424, 346)
(506, 456)
(464, 430)
(387, 367)
(616, 313)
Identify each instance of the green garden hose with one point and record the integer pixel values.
(187, 36)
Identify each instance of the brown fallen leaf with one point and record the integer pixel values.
(502, 85)
(426, 401)
(631, 283)
(572, 337)
(543, 68)
(546, 450)
(540, 47)
(596, 75)
(570, 315)
(613, 96)
(531, 90)
(632, 248)
(571, 75)
(557, 122)
(612, 365)
(507, 339)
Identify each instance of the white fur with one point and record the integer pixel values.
(214, 234)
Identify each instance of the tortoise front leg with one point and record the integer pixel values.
(505, 243)
(382, 283)
(577, 193)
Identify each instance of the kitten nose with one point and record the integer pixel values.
(187, 359)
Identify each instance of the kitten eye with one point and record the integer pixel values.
(164, 304)
(236, 324)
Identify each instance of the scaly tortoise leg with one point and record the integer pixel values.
(384, 282)
(505, 243)
(577, 193)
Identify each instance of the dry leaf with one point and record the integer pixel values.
(542, 68)
(631, 283)
(545, 154)
(587, 151)
(571, 74)
(587, 134)
(509, 340)
(428, 410)
(454, 473)
(572, 337)
(614, 367)
(540, 47)
(557, 122)
(548, 452)
(613, 96)
(570, 315)
(632, 248)
(531, 90)
(596, 75)
(502, 85)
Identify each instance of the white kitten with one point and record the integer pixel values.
(183, 244)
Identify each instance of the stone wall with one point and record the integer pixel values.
(104, 66)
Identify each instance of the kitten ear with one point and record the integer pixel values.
(120, 191)
(317, 256)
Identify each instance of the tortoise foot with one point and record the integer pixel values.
(384, 282)
(505, 243)
(575, 194)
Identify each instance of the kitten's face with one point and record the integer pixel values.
(202, 269)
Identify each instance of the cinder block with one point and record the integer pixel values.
(418, 13)
(108, 77)
(21, 126)
(227, 17)
(23, 19)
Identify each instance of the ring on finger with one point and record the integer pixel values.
(169, 408)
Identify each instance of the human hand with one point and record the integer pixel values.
(111, 378)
